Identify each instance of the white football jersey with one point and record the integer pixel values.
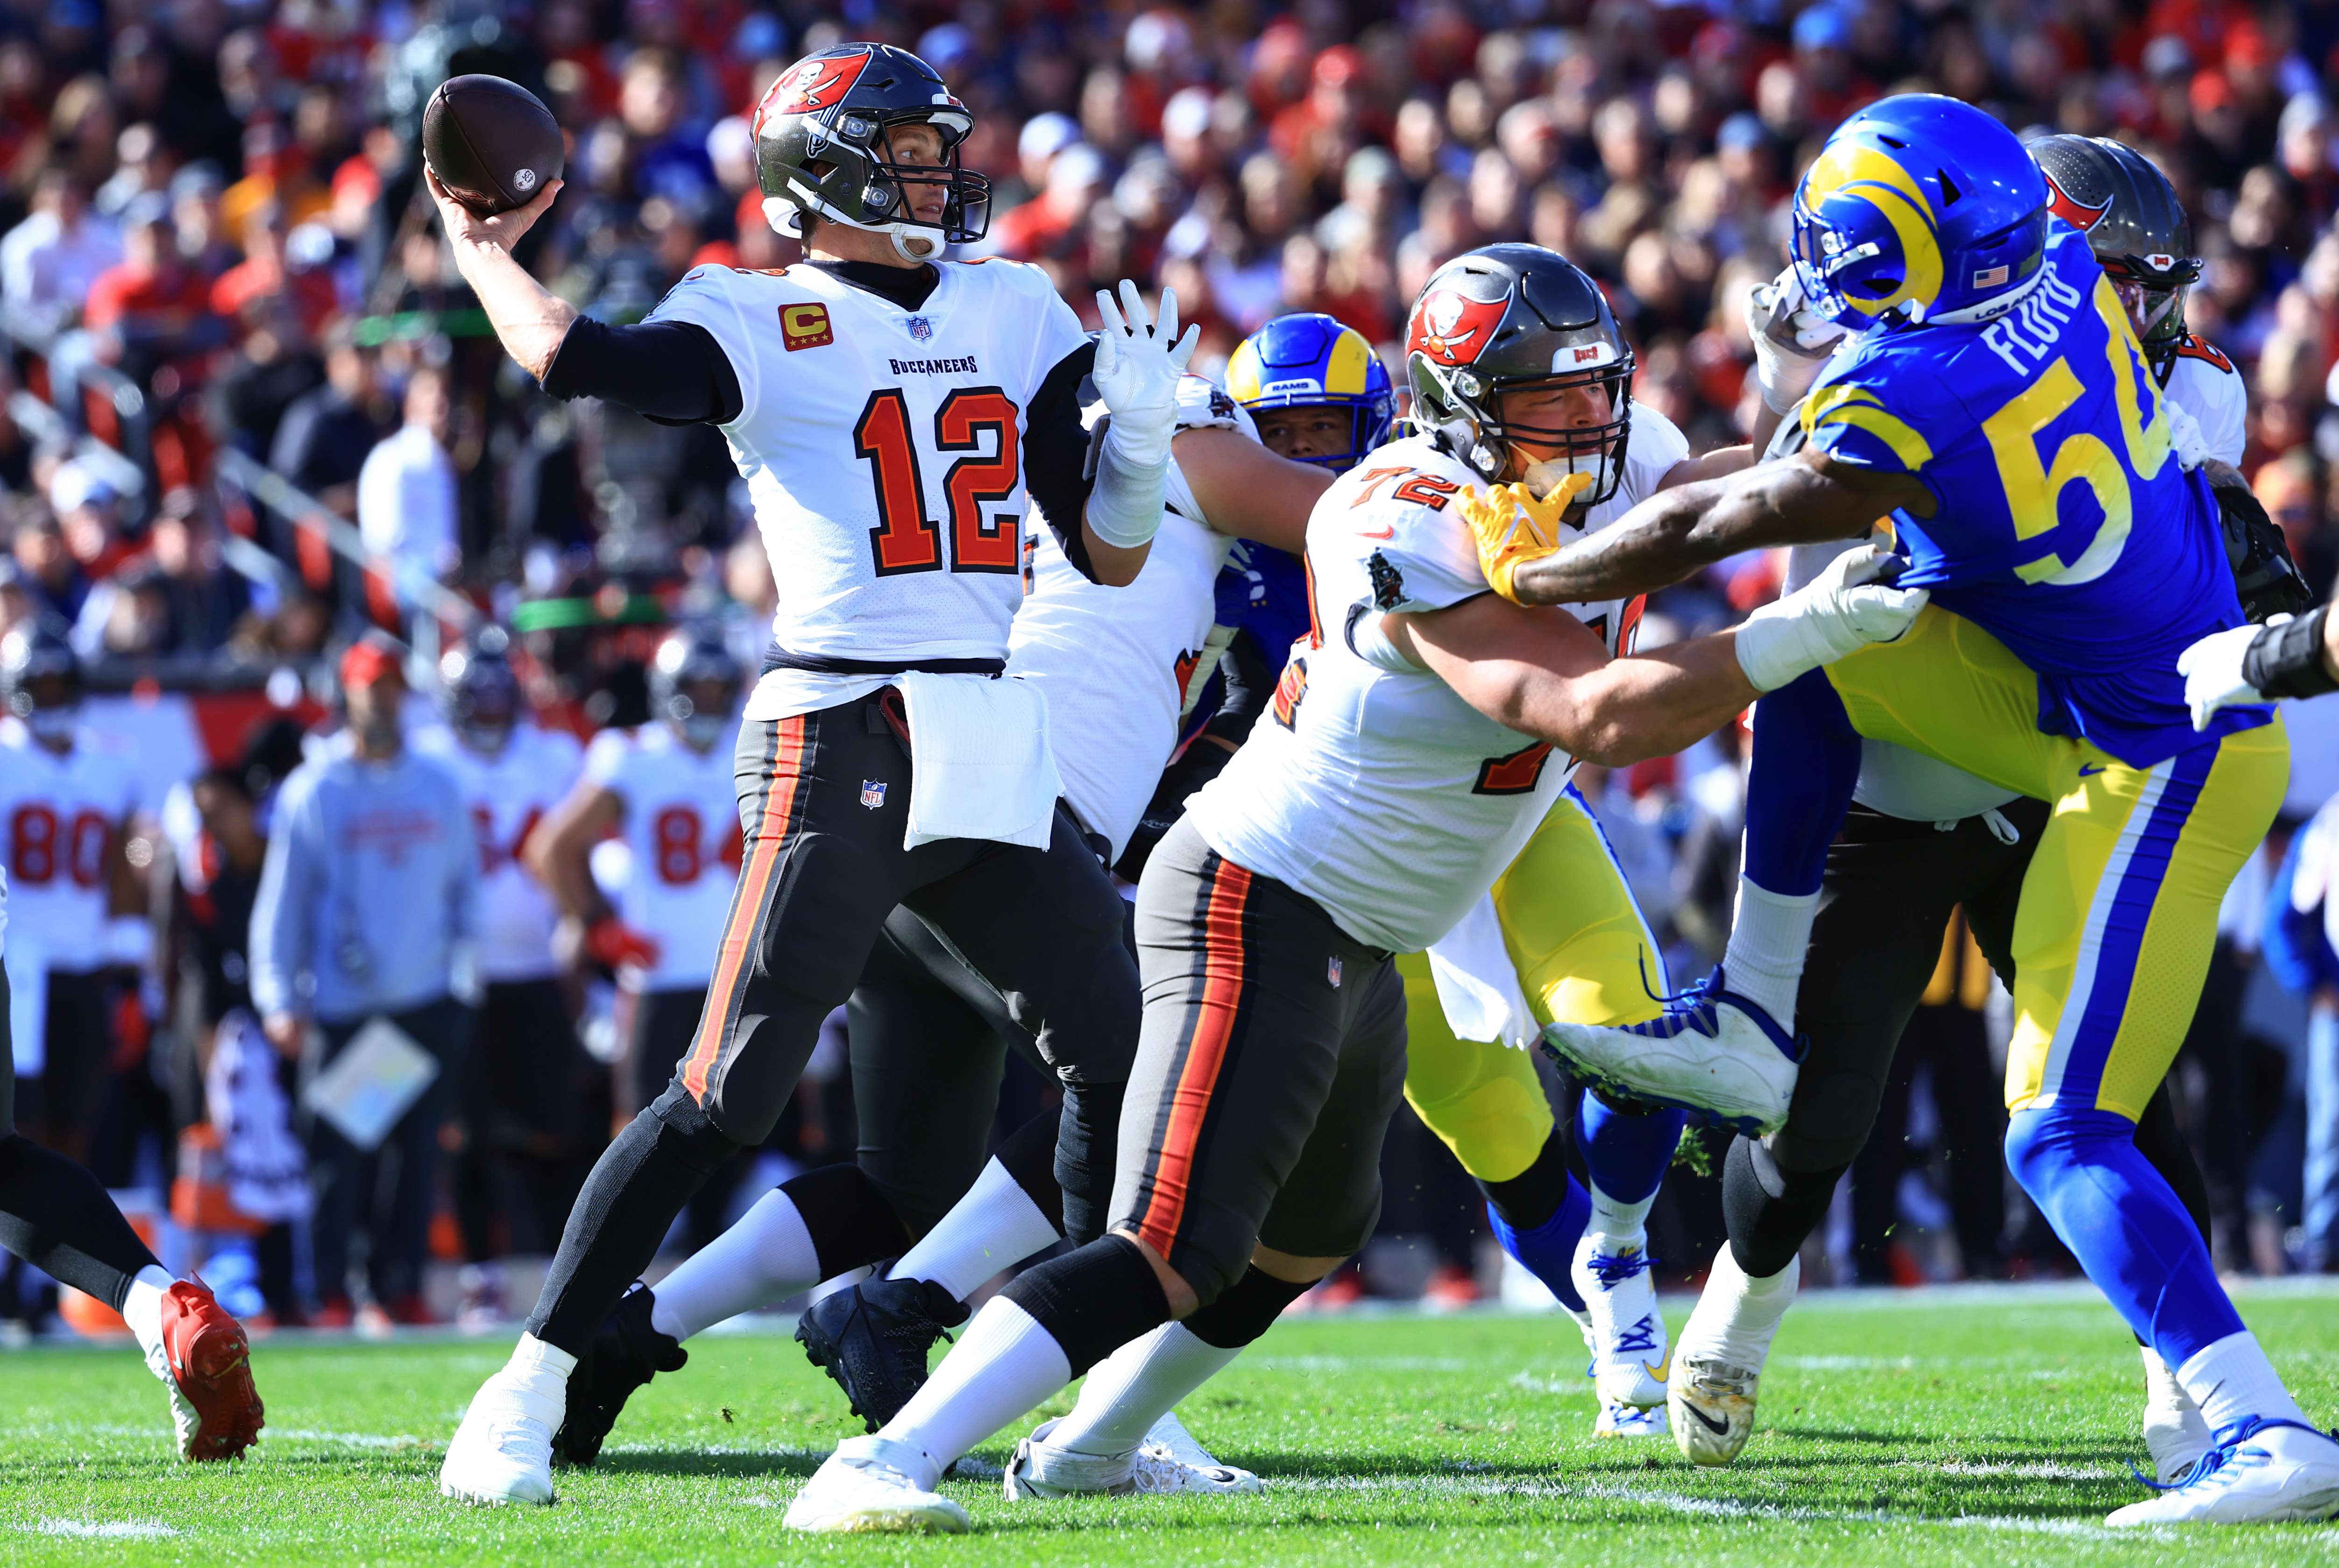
(508, 795)
(883, 449)
(2203, 383)
(681, 830)
(1371, 786)
(58, 815)
(1915, 787)
(1114, 663)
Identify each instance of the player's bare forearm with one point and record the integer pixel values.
(559, 852)
(529, 320)
(1678, 531)
(1649, 706)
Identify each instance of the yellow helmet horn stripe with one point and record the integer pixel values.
(1849, 169)
(1344, 374)
(1242, 372)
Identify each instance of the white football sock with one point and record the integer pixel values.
(142, 1310)
(2161, 1389)
(2233, 1379)
(1737, 1315)
(995, 1225)
(759, 1262)
(1136, 1386)
(1768, 932)
(1003, 1364)
(1626, 1222)
(532, 1354)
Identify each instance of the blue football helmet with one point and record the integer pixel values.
(1309, 361)
(1919, 208)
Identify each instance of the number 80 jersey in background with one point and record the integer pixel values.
(1369, 785)
(681, 832)
(2062, 523)
(883, 447)
(58, 818)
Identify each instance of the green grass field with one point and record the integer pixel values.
(1990, 1427)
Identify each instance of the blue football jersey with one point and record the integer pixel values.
(2063, 523)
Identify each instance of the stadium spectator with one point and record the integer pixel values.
(364, 912)
(406, 488)
(326, 433)
(49, 262)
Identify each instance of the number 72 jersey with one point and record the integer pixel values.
(1369, 785)
(2062, 524)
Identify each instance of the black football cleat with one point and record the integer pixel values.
(626, 1354)
(872, 1338)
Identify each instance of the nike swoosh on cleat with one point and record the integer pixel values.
(1719, 1428)
(1657, 1372)
(2086, 771)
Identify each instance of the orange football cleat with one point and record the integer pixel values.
(213, 1403)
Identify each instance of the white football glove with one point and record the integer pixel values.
(2212, 669)
(2184, 437)
(1841, 610)
(1791, 340)
(1136, 375)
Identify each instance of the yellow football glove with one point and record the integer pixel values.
(1512, 527)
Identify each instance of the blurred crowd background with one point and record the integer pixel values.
(251, 414)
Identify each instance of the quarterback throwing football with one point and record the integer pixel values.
(894, 414)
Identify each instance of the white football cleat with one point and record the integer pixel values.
(1040, 1470)
(502, 1452)
(1710, 1050)
(1627, 1333)
(2256, 1472)
(1710, 1405)
(874, 1486)
(1628, 1421)
(1170, 1437)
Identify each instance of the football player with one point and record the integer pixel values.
(521, 1094)
(54, 1214)
(1921, 838)
(1997, 403)
(1408, 756)
(892, 413)
(929, 1036)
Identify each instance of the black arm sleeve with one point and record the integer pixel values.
(1055, 454)
(674, 373)
(1249, 683)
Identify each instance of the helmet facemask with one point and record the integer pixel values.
(701, 710)
(877, 200)
(1475, 401)
(2153, 295)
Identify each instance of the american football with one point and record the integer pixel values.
(1241, 781)
(492, 143)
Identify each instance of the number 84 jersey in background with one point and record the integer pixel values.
(1369, 785)
(681, 832)
(883, 448)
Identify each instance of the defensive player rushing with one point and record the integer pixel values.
(665, 792)
(886, 409)
(929, 1036)
(1922, 838)
(1408, 761)
(54, 1214)
(1996, 403)
(518, 1103)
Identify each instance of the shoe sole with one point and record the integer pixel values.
(218, 1382)
(887, 1522)
(1745, 1126)
(484, 1500)
(2316, 1507)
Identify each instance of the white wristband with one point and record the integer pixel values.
(1132, 482)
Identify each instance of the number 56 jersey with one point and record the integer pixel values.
(883, 447)
(1369, 785)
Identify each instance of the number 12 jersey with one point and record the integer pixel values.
(883, 447)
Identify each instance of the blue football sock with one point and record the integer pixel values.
(1806, 760)
(2125, 1224)
(1626, 1153)
(1548, 1250)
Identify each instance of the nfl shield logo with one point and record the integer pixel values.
(920, 328)
(873, 792)
(1332, 973)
